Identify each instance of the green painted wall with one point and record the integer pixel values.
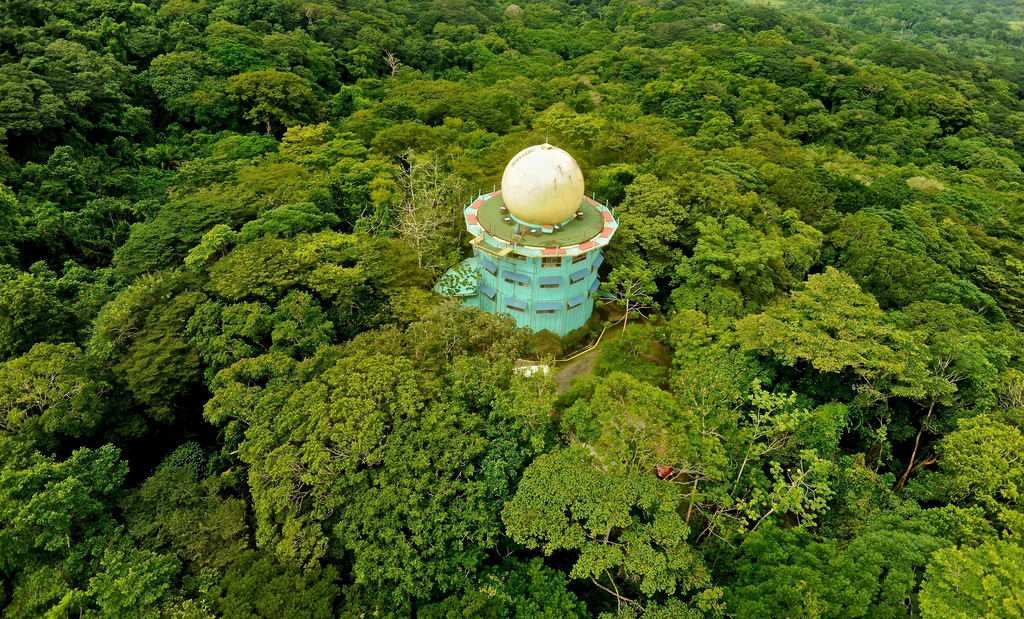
(506, 285)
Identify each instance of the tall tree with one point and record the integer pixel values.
(274, 98)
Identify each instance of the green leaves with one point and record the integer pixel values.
(225, 334)
(257, 586)
(785, 573)
(736, 269)
(801, 486)
(983, 460)
(514, 589)
(56, 511)
(624, 523)
(884, 566)
(10, 223)
(652, 227)
(31, 312)
(632, 425)
(835, 327)
(28, 102)
(633, 288)
(67, 85)
(980, 582)
(299, 325)
(304, 455)
(50, 392)
(273, 97)
(352, 453)
(828, 220)
(132, 583)
(163, 240)
(175, 511)
(425, 524)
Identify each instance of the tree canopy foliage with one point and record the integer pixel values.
(227, 388)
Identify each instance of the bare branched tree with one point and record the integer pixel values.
(393, 62)
(430, 212)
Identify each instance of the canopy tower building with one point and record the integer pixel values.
(536, 244)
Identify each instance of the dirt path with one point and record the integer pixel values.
(584, 364)
(580, 366)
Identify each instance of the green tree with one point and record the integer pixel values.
(299, 325)
(962, 357)
(50, 392)
(451, 330)
(50, 503)
(513, 589)
(983, 460)
(31, 311)
(835, 327)
(273, 97)
(359, 459)
(141, 336)
(10, 224)
(224, 334)
(257, 586)
(979, 582)
(29, 103)
(891, 264)
(632, 425)
(623, 524)
(59, 517)
(130, 583)
(653, 227)
(885, 564)
(632, 353)
(176, 511)
(165, 239)
(736, 269)
(633, 288)
(785, 573)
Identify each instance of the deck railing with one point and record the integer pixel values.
(524, 238)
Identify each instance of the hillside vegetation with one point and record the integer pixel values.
(227, 390)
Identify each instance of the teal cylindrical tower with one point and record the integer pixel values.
(536, 244)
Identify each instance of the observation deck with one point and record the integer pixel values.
(497, 233)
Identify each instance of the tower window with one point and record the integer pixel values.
(580, 258)
(549, 262)
(548, 307)
(515, 304)
(517, 257)
(490, 266)
(511, 277)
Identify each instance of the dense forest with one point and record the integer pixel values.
(227, 388)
